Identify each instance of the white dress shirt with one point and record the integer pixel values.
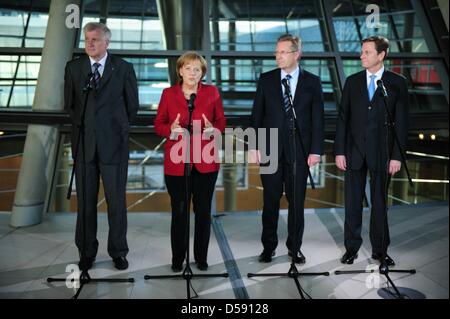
(102, 62)
(292, 82)
(378, 76)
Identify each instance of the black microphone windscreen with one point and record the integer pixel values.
(382, 88)
(191, 101)
(286, 85)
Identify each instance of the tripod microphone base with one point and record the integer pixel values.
(292, 273)
(85, 278)
(383, 270)
(187, 275)
(289, 274)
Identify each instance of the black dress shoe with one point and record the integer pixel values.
(202, 265)
(299, 258)
(120, 263)
(177, 267)
(348, 258)
(387, 261)
(86, 263)
(266, 256)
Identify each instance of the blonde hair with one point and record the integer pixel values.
(187, 57)
(296, 42)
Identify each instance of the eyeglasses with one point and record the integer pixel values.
(282, 52)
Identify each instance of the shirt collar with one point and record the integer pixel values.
(293, 74)
(378, 74)
(102, 61)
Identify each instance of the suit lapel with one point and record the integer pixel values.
(278, 89)
(86, 69)
(181, 105)
(364, 89)
(107, 72)
(300, 80)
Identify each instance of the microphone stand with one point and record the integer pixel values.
(384, 268)
(85, 278)
(187, 273)
(293, 271)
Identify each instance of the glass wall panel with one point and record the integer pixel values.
(12, 27)
(134, 26)
(22, 73)
(14, 23)
(153, 77)
(256, 25)
(397, 21)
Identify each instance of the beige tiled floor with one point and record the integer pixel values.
(419, 239)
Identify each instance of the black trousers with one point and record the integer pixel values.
(114, 183)
(202, 189)
(355, 182)
(273, 190)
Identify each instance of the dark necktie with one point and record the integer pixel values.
(96, 75)
(287, 105)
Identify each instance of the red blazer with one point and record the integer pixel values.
(172, 102)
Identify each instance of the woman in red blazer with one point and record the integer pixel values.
(173, 116)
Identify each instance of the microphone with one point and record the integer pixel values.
(89, 80)
(191, 102)
(382, 88)
(287, 88)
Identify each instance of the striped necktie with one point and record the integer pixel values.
(287, 105)
(96, 74)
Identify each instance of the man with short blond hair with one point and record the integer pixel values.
(271, 109)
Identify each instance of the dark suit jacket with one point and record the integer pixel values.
(109, 111)
(172, 102)
(360, 130)
(268, 112)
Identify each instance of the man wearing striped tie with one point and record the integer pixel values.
(361, 145)
(111, 87)
(271, 109)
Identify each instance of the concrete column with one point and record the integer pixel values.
(182, 24)
(42, 141)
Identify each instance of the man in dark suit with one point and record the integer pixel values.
(272, 110)
(361, 145)
(111, 106)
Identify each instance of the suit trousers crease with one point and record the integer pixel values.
(273, 191)
(355, 181)
(202, 190)
(114, 177)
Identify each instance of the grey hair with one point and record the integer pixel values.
(91, 26)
